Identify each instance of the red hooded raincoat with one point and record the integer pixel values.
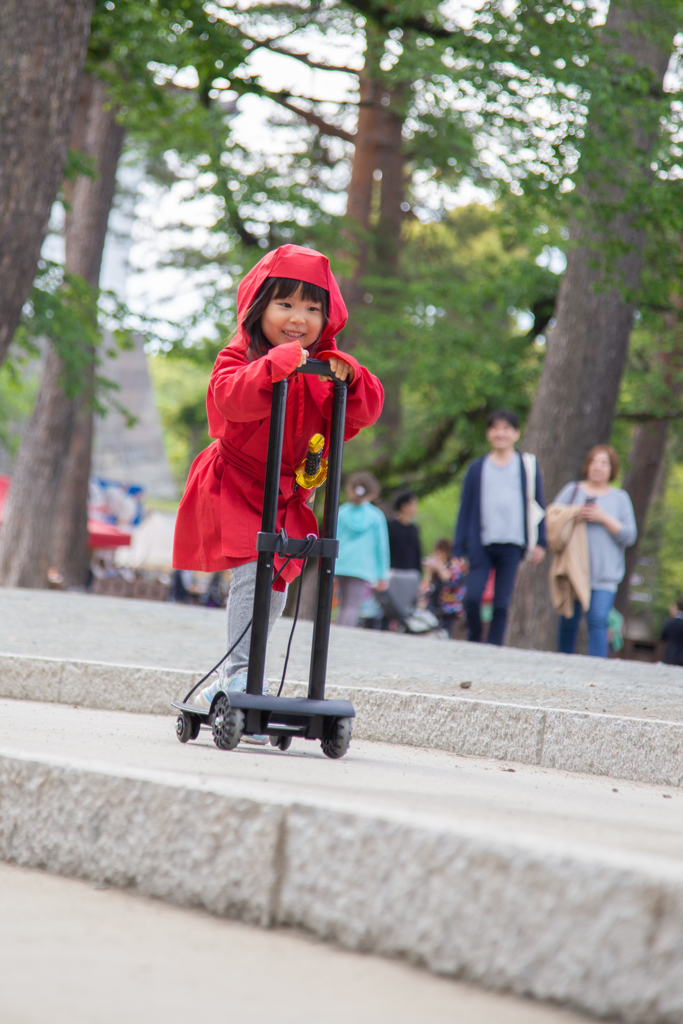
(220, 513)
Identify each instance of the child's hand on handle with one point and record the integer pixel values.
(340, 368)
(304, 356)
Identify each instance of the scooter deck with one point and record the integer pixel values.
(283, 705)
(275, 716)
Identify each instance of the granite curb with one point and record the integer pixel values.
(639, 749)
(595, 929)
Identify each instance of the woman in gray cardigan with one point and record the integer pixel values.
(611, 527)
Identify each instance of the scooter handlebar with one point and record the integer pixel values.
(319, 368)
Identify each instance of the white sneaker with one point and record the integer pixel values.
(204, 698)
(238, 682)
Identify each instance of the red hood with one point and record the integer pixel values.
(300, 264)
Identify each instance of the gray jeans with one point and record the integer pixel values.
(239, 611)
(352, 590)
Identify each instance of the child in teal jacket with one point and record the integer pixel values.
(363, 560)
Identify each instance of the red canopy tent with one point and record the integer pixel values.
(103, 535)
(100, 535)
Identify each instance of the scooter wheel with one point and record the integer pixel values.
(281, 742)
(337, 737)
(185, 726)
(228, 725)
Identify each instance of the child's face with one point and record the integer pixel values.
(292, 319)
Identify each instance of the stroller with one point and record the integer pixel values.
(398, 603)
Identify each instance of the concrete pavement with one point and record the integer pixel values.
(560, 886)
(75, 954)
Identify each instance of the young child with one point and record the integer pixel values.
(446, 585)
(363, 547)
(289, 307)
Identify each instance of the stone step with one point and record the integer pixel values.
(147, 633)
(640, 749)
(558, 886)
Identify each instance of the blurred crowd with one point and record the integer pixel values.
(464, 586)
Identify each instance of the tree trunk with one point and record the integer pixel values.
(375, 191)
(70, 553)
(644, 476)
(640, 481)
(47, 504)
(26, 535)
(366, 161)
(90, 199)
(42, 49)
(387, 249)
(586, 352)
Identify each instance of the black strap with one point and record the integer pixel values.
(311, 542)
(218, 664)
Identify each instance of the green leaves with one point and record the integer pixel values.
(63, 308)
(447, 329)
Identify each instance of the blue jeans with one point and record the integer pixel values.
(596, 620)
(505, 559)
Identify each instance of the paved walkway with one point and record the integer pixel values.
(142, 633)
(75, 954)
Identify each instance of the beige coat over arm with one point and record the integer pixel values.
(570, 575)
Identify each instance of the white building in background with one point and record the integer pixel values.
(130, 455)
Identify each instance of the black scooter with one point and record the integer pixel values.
(234, 714)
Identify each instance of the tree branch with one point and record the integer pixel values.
(649, 417)
(269, 44)
(423, 456)
(432, 481)
(314, 119)
(386, 17)
(245, 87)
(236, 222)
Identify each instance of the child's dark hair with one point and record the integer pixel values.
(402, 498)
(505, 415)
(279, 288)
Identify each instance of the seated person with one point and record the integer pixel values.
(672, 635)
(445, 586)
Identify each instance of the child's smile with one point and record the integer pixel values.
(292, 319)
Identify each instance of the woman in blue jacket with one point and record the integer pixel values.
(363, 547)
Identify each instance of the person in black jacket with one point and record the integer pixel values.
(404, 539)
(497, 522)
